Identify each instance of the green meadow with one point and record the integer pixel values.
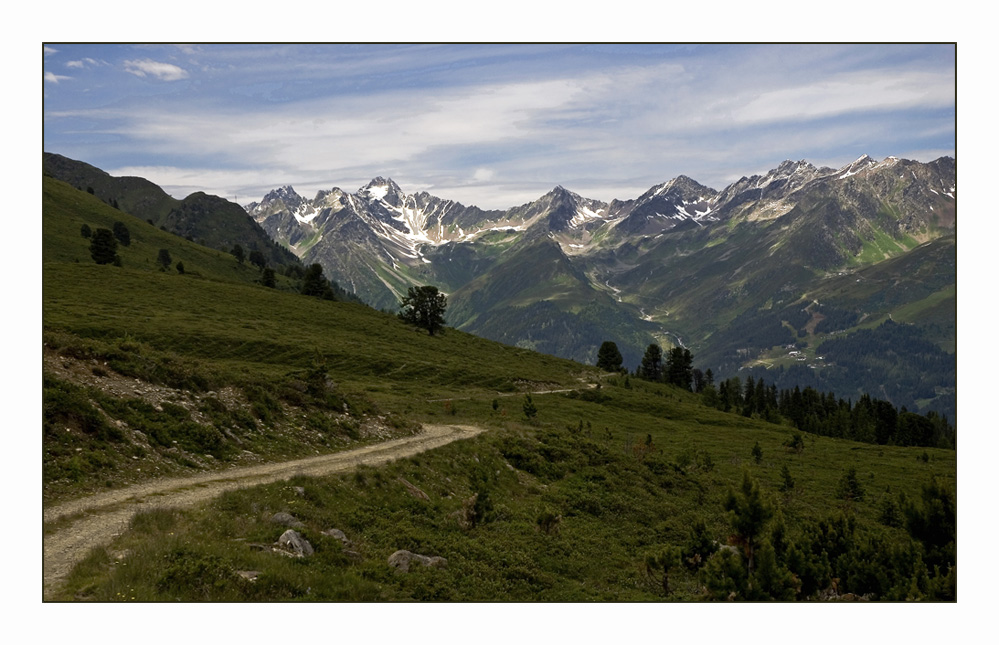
(614, 489)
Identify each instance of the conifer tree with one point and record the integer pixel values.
(164, 259)
(424, 307)
(267, 278)
(122, 234)
(314, 283)
(651, 368)
(530, 410)
(103, 247)
(257, 259)
(609, 357)
(749, 514)
(679, 367)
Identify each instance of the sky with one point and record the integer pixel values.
(490, 125)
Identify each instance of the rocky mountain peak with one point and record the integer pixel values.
(286, 194)
(383, 189)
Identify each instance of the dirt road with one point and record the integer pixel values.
(96, 520)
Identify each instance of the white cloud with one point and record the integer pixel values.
(162, 71)
(55, 78)
(84, 63)
(850, 93)
(465, 125)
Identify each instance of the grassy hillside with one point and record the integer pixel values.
(211, 221)
(616, 490)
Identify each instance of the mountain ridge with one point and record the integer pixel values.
(677, 265)
(734, 275)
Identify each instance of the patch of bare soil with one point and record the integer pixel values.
(96, 520)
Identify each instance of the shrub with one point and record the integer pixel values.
(849, 487)
(530, 410)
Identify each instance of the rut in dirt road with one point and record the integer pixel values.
(98, 519)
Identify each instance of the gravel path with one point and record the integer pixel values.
(98, 519)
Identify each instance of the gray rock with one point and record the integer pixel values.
(287, 519)
(402, 560)
(339, 535)
(292, 542)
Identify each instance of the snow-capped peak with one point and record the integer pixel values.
(379, 188)
(863, 163)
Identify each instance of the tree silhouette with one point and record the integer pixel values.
(609, 357)
(103, 247)
(424, 307)
(164, 259)
(651, 368)
(257, 259)
(267, 278)
(122, 234)
(314, 283)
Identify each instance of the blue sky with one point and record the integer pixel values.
(490, 125)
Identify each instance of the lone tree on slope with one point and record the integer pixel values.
(164, 259)
(609, 357)
(424, 307)
(104, 248)
(314, 283)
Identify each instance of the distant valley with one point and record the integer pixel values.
(843, 279)
(757, 276)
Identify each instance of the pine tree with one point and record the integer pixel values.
(849, 487)
(651, 368)
(257, 259)
(424, 307)
(122, 234)
(164, 259)
(609, 357)
(679, 367)
(749, 514)
(103, 247)
(530, 410)
(314, 283)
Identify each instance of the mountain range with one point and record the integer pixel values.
(772, 264)
(839, 278)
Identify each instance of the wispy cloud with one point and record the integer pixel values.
(161, 71)
(55, 78)
(490, 124)
(84, 63)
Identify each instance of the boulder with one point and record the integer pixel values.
(292, 542)
(286, 519)
(402, 560)
(339, 535)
